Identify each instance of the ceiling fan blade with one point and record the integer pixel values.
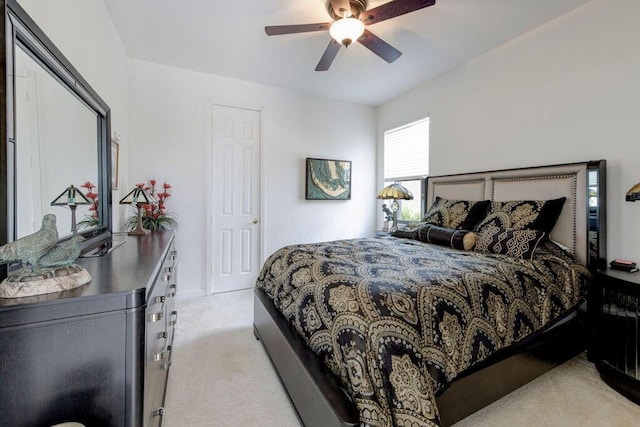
(276, 30)
(328, 56)
(380, 47)
(392, 9)
(341, 4)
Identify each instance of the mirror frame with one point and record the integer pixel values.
(17, 28)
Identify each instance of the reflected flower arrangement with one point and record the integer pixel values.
(91, 220)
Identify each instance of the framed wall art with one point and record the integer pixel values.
(115, 154)
(328, 179)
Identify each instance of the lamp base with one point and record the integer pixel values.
(138, 232)
(394, 208)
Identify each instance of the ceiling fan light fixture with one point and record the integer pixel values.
(346, 30)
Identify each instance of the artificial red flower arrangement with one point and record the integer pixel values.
(91, 220)
(154, 216)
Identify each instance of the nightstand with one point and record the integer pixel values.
(614, 307)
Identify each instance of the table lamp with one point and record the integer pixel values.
(634, 193)
(138, 197)
(396, 192)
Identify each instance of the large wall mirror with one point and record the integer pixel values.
(54, 133)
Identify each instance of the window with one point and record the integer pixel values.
(406, 161)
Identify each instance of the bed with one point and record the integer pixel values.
(397, 331)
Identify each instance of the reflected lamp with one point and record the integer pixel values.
(71, 197)
(395, 192)
(138, 197)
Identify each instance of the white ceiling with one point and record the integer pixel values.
(227, 38)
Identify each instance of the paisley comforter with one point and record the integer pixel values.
(397, 320)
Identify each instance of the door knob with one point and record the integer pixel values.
(255, 221)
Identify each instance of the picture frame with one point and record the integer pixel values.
(328, 179)
(115, 160)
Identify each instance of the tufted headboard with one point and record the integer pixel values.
(581, 225)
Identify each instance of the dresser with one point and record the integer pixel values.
(99, 354)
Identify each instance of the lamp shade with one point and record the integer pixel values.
(137, 196)
(634, 193)
(395, 191)
(71, 196)
(346, 30)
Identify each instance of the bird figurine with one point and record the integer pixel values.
(62, 254)
(29, 249)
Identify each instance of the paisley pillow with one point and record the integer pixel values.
(456, 214)
(522, 215)
(514, 243)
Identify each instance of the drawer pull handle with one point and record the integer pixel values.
(163, 335)
(173, 318)
(174, 255)
(159, 413)
(171, 291)
(158, 300)
(155, 317)
(164, 355)
(166, 277)
(168, 269)
(166, 366)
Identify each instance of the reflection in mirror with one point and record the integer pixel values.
(55, 146)
(593, 212)
(54, 133)
(596, 176)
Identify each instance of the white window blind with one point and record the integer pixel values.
(406, 151)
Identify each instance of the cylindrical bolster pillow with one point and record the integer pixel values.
(456, 239)
(406, 234)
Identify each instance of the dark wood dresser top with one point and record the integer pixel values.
(120, 279)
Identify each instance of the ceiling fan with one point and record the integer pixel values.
(350, 18)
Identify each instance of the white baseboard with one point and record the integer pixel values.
(191, 293)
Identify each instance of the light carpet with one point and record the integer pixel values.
(221, 376)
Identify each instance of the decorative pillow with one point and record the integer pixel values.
(514, 243)
(523, 215)
(411, 233)
(457, 214)
(456, 239)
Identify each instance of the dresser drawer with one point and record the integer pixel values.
(160, 320)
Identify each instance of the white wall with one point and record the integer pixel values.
(83, 31)
(567, 91)
(169, 111)
(171, 140)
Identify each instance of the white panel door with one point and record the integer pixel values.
(28, 180)
(236, 198)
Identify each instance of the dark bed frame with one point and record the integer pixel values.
(317, 395)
